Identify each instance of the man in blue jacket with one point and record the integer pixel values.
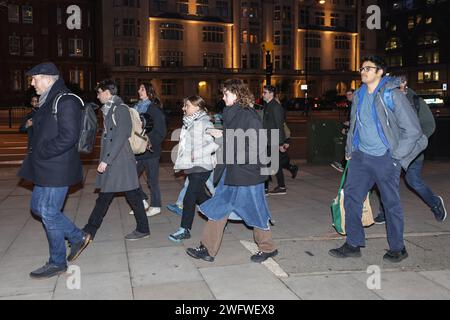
(384, 136)
(53, 164)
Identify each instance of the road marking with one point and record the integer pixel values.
(269, 263)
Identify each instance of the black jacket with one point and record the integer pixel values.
(53, 160)
(274, 118)
(237, 117)
(157, 134)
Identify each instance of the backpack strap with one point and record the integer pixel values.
(56, 100)
(344, 175)
(387, 98)
(416, 103)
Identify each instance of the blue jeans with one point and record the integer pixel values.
(209, 185)
(413, 177)
(363, 172)
(47, 202)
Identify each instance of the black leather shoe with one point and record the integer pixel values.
(294, 170)
(77, 248)
(346, 251)
(395, 256)
(200, 253)
(48, 271)
(263, 256)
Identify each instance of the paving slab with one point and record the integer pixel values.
(440, 277)
(250, 281)
(194, 290)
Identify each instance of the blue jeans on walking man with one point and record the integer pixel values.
(47, 203)
(363, 172)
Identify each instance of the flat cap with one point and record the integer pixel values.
(47, 68)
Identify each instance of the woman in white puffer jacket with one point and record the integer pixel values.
(196, 157)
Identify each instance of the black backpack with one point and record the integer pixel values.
(88, 129)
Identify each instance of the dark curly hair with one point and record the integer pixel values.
(244, 97)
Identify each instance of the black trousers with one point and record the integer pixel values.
(282, 164)
(152, 167)
(195, 194)
(101, 208)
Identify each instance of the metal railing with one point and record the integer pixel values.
(12, 117)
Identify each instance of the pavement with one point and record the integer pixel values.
(158, 269)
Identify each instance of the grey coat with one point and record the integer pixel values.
(120, 174)
(400, 126)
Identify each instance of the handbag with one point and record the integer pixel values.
(338, 209)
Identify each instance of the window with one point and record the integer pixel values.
(410, 23)
(429, 56)
(349, 21)
(28, 46)
(286, 62)
(304, 17)
(171, 59)
(129, 87)
(286, 39)
(13, 13)
(202, 8)
(76, 47)
(171, 31)
(244, 61)
(334, 19)
(213, 34)
(27, 14)
(14, 45)
(16, 80)
(253, 10)
(183, 6)
(222, 9)
(320, 18)
(286, 14)
(277, 38)
(313, 40)
(429, 20)
(213, 60)
(277, 13)
(277, 63)
(393, 43)
(128, 27)
(160, 5)
(117, 57)
(428, 39)
(168, 87)
(312, 63)
(129, 57)
(394, 61)
(116, 26)
(76, 76)
(244, 36)
(254, 61)
(342, 42)
(58, 15)
(138, 28)
(342, 63)
(60, 46)
(253, 37)
(427, 76)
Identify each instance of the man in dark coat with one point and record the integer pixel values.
(53, 164)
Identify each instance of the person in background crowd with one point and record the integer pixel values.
(27, 123)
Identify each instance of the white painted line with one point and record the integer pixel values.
(269, 263)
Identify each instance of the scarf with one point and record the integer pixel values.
(43, 97)
(107, 106)
(142, 106)
(188, 120)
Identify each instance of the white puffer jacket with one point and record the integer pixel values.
(196, 148)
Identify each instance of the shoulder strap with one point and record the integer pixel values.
(344, 175)
(416, 102)
(387, 97)
(58, 97)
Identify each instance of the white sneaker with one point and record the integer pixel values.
(153, 211)
(146, 206)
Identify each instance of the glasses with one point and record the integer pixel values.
(266, 92)
(366, 69)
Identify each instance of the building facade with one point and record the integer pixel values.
(35, 31)
(416, 43)
(189, 47)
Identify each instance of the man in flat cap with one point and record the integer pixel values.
(53, 164)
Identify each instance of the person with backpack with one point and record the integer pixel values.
(413, 175)
(384, 136)
(150, 108)
(196, 157)
(117, 168)
(53, 165)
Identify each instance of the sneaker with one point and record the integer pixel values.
(48, 271)
(175, 209)
(395, 256)
(180, 235)
(294, 170)
(153, 211)
(440, 213)
(277, 190)
(336, 165)
(146, 206)
(263, 256)
(136, 235)
(346, 251)
(380, 219)
(200, 253)
(77, 248)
